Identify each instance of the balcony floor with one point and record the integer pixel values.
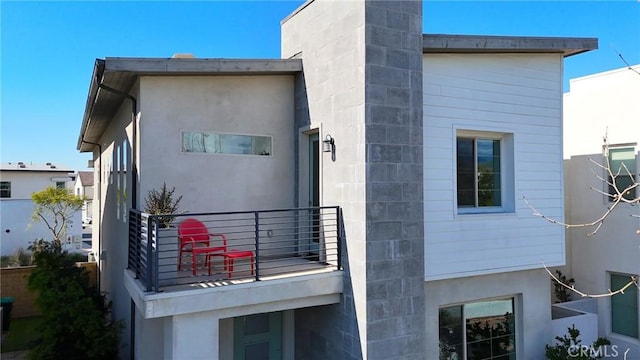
(276, 269)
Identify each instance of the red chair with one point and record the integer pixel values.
(194, 238)
(193, 232)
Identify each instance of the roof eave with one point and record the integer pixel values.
(442, 43)
(132, 68)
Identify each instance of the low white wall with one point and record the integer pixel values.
(586, 322)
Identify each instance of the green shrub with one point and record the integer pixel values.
(569, 347)
(75, 314)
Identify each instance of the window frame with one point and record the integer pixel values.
(464, 322)
(615, 299)
(184, 149)
(633, 169)
(507, 173)
(5, 189)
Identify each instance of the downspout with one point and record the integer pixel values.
(99, 202)
(134, 195)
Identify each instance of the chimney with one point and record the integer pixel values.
(183, 56)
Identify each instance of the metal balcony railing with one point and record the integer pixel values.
(271, 243)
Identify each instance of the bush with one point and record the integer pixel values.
(569, 347)
(75, 314)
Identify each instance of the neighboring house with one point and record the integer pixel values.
(603, 105)
(18, 181)
(428, 257)
(84, 187)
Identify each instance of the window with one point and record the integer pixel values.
(619, 159)
(624, 307)
(484, 172)
(60, 185)
(5, 189)
(205, 142)
(480, 330)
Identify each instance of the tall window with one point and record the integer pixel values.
(624, 307)
(478, 166)
(621, 160)
(481, 330)
(5, 189)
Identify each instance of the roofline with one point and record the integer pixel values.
(567, 46)
(178, 67)
(192, 66)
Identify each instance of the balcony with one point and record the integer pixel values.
(284, 243)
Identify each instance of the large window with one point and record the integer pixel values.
(479, 171)
(620, 160)
(206, 142)
(480, 330)
(5, 189)
(624, 307)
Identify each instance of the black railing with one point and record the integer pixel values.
(259, 245)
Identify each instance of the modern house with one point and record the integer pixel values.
(367, 186)
(18, 180)
(598, 106)
(83, 186)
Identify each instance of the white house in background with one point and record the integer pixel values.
(18, 180)
(599, 105)
(83, 186)
(422, 143)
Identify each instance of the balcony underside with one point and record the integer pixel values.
(309, 286)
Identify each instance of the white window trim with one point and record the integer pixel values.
(610, 327)
(635, 172)
(507, 170)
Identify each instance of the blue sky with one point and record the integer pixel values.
(48, 49)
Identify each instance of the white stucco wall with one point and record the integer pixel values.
(602, 104)
(518, 94)
(17, 230)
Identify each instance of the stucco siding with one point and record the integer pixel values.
(518, 95)
(219, 104)
(111, 231)
(530, 290)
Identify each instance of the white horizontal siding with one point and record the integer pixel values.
(511, 93)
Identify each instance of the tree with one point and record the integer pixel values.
(75, 314)
(55, 208)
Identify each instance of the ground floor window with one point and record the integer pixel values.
(5, 189)
(258, 337)
(482, 330)
(624, 307)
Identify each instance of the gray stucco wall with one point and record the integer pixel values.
(362, 84)
(530, 289)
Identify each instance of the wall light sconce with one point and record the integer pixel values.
(328, 144)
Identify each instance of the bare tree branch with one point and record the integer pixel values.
(633, 281)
